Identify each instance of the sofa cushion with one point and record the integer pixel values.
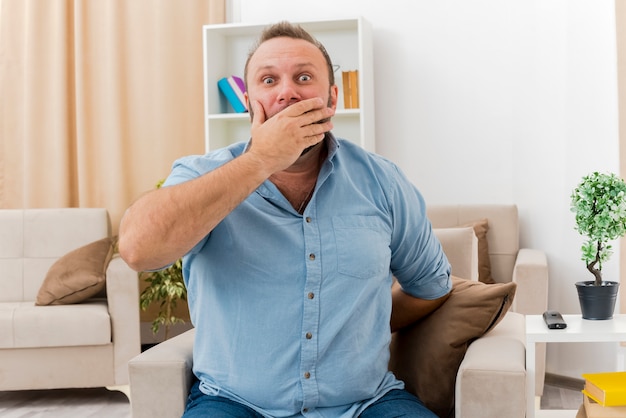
(427, 354)
(503, 231)
(24, 325)
(461, 248)
(78, 275)
(481, 227)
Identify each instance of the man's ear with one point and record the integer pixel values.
(249, 106)
(334, 94)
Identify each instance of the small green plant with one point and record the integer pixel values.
(165, 287)
(599, 204)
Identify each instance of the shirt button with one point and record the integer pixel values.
(311, 256)
(308, 219)
(307, 375)
(305, 410)
(308, 335)
(311, 295)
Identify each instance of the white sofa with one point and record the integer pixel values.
(85, 344)
(491, 380)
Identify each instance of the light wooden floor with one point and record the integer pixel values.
(561, 398)
(101, 403)
(64, 403)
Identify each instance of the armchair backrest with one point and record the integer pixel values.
(502, 235)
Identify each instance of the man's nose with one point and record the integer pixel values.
(288, 92)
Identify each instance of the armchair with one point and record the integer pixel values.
(491, 380)
(506, 260)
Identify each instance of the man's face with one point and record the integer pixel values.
(284, 71)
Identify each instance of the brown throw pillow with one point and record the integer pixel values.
(484, 263)
(78, 275)
(427, 354)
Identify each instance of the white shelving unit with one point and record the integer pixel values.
(226, 47)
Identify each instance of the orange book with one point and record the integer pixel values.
(595, 410)
(347, 91)
(354, 89)
(607, 389)
(350, 81)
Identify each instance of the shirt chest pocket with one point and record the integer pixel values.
(362, 246)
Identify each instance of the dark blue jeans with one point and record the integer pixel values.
(396, 403)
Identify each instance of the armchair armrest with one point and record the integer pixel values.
(161, 378)
(531, 275)
(491, 380)
(122, 287)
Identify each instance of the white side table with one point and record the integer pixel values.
(578, 330)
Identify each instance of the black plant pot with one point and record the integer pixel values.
(597, 302)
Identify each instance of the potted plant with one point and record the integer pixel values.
(599, 204)
(165, 287)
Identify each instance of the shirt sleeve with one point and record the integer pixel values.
(184, 169)
(189, 168)
(417, 258)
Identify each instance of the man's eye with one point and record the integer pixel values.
(305, 77)
(268, 80)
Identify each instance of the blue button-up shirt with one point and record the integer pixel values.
(292, 311)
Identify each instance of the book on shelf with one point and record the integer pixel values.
(350, 80)
(239, 87)
(231, 95)
(595, 410)
(354, 84)
(607, 389)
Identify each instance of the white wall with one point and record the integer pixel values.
(503, 101)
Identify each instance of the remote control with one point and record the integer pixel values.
(554, 320)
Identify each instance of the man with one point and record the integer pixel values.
(290, 242)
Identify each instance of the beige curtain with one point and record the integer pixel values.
(98, 98)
